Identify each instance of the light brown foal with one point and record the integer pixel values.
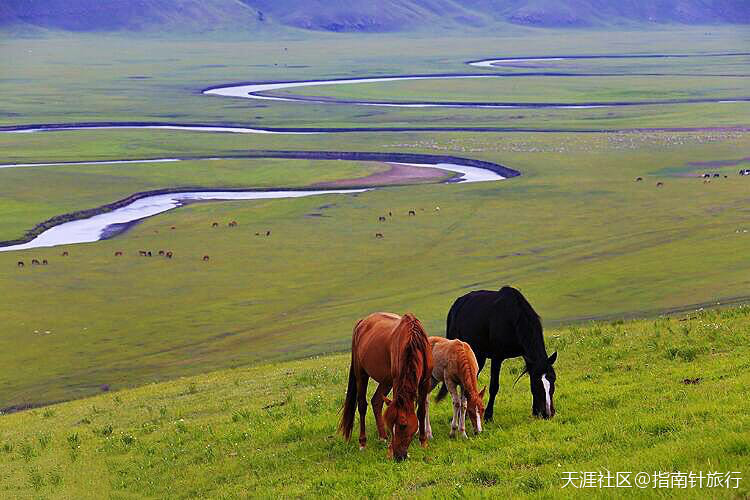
(455, 365)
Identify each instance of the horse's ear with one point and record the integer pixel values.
(387, 401)
(481, 393)
(552, 358)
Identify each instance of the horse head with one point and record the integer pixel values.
(401, 420)
(475, 409)
(542, 376)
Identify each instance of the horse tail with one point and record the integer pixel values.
(441, 393)
(350, 403)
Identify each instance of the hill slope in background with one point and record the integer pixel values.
(359, 15)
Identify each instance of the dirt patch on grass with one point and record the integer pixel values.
(396, 174)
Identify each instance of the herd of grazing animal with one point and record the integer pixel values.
(168, 254)
(382, 218)
(396, 352)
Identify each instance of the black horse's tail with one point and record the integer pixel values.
(350, 403)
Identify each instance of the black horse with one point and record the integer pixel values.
(501, 325)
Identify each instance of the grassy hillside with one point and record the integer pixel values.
(575, 232)
(623, 404)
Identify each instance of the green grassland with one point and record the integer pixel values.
(98, 78)
(270, 430)
(534, 89)
(575, 232)
(31, 195)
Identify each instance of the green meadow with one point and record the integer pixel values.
(127, 321)
(223, 378)
(270, 430)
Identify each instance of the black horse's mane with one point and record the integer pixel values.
(533, 322)
(529, 313)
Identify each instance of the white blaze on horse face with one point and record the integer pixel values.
(548, 399)
(478, 420)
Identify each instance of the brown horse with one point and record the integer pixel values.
(456, 366)
(395, 352)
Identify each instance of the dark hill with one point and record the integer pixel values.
(361, 15)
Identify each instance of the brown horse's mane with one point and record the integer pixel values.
(405, 384)
(467, 371)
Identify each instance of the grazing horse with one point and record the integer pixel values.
(638, 179)
(381, 219)
(65, 254)
(233, 223)
(44, 262)
(118, 254)
(34, 262)
(21, 264)
(215, 224)
(206, 258)
(142, 253)
(394, 351)
(268, 233)
(170, 255)
(502, 325)
(378, 235)
(455, 365)
(161, 252)
(659, 184)
(412, 212)
(148, 253)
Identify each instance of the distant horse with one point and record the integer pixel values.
(65, 254)
(390, 214)
(381, 219)
(44, 262)
(455, 365)
(233, 223)
(412, 212)
(378, 235)
(172, 227)
(161, 252)
(268, 233)
(502, 325)
(142, 253)
(148, 253)
(170, 255)
(638, 179)
(21, 264)
(395, 352)
(118, 254)
(659, 184)
(206, 258)
(215, 224)
(34, 262)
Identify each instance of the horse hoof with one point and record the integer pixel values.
(464, 436)
(425, 444)
(361, 448)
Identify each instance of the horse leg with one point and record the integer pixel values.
(427, 426)
(422, 406)
(456, 406)
(462, 415)
(362, 404)
(494, 387)
(377, 408)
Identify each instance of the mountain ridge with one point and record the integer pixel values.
(359, 15)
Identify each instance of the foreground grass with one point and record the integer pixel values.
(270, 430)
